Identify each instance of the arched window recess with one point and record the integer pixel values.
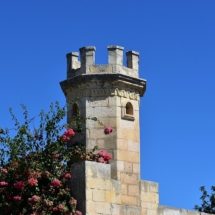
(128, 111)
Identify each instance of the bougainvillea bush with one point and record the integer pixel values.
(34, 171)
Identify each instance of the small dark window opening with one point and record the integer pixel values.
(129, 109)
(74, 110)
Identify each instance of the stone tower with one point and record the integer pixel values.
(112, 94)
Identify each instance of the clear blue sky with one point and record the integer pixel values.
(176, 41)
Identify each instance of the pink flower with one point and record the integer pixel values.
(32, 182)
(47, 173)
(101, 160)
(104, 158)
(77, 151)
(30, 200)
(69, 132)
(107, 157)
(101, 152)
(33, 199)
(19, 185)
(55, 183)
(65, 138)
(108, 130)
(3, 183)
(61, 208)
(67, 135)
(4, 171)
(73, 201)
(17, 198)
(57, 155)
(78, 213)
(68, 176)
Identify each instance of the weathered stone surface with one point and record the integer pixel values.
(133, 190)
(98, 183)
(149, 186)
(133, 146)
(165, 210)
(127, 156)
(129, 200)
(130, 210)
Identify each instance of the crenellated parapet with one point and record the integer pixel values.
(87, 65)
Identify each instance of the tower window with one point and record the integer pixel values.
(129, 109)
(74, 110)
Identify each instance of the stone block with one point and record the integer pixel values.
(133, 146)
(149, 197)
(165, 210)
(136, 168)
(99, 195)
(143, 211)
(149, 186)
(98, 170)
(129, 178)
(112, 197)
(99, 102)
(151, 212)
(96, 133)
(116, 209)
(116, 186)
(91, 143)
(133, 190)
(113, 100)
(102, 207)
(129, 200)
(131, 210)
(127, 124)
(100, 112)
(107, 121)
(126, 134)
(89, 194)
(147, 205)
(128, 167)
(137, 124)
(90, 207)
(128, 156)
(108, 143)
(122, 144)
(98, 183)
(117, 165)
(124, 189)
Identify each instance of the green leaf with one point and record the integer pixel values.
(23, 130)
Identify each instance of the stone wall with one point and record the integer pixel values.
(165, 210)
(97, 193)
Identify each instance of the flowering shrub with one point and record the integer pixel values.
(35, 166)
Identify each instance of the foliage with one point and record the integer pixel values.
(34, 170)
(208, 201)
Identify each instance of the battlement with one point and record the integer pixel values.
(87, 65)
